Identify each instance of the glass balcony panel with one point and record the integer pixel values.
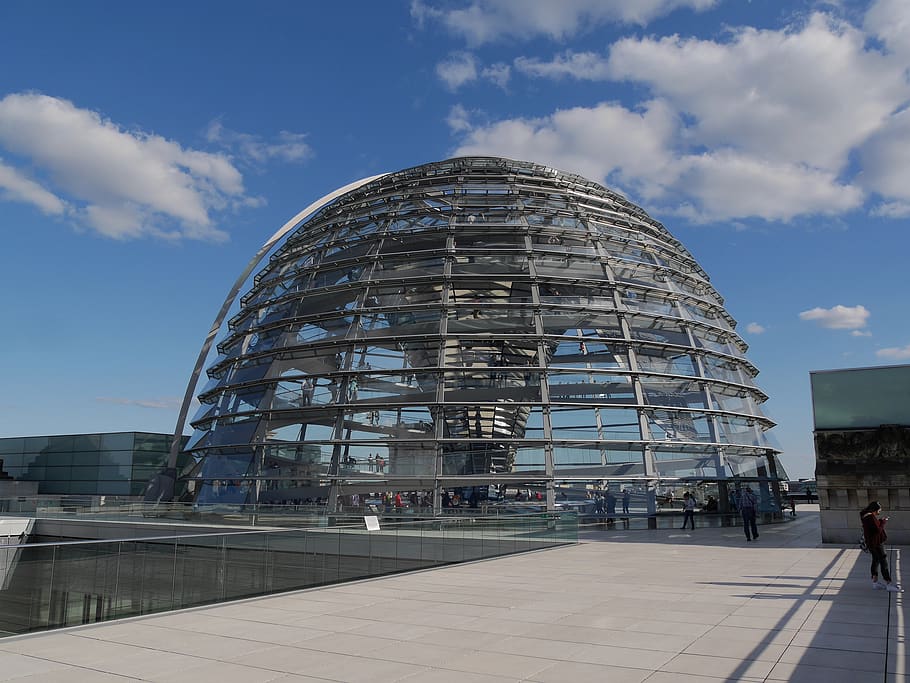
(659, 330)
(742, 431)
(670, 392)
(686, 463)
(667, 361)
(739, 402)
(671, 425)
(619, 424)
(713, 341)
(482, 263)
(590, 387)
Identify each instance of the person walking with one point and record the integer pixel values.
(874, 533)
(689, 510)
(747, 504)
(626, 497)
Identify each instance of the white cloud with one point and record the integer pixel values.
(17, 188)
(457, 70)
(886, 164)
(755, 328)
(894, 353)
(594, 142)
(484, 21)
(171, 403)
(889, 20)
(458, 120)
(587, 66)
(120, 183)
(290, 147)
(860, 333)
(498, 74)
(728, 184)
(838, 317)
(770, 124)
(638, 149)
(892, 210)
(803, 95)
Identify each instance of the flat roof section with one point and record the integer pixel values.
(664, 607)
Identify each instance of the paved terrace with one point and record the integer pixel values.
(621, 607)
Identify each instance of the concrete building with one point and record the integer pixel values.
(862, 447)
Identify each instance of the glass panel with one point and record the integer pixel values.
(591, 387)
(673, 425)
(608, 423)
(59, 444)
(117, 442)
(14, 445)
(862, 398)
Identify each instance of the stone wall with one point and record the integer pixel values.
(854, 467)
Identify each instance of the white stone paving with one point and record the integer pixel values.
(622, 606)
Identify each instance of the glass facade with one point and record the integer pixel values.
(861, 398)
(472, 323)
(117, 464)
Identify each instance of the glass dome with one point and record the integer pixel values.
(473, 323)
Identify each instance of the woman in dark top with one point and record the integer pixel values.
(874, 533)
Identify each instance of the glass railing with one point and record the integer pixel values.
(231, 514)
(51, 585)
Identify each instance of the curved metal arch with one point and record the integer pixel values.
(232, 296)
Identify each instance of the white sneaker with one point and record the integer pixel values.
(878, 586)
(894, 588)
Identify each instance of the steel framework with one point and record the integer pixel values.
(474, 322)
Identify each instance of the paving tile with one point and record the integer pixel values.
(730, 668)
(363, 670)
(447, 676)
(181, 642)
(801, 673)
(460, 638)
(223, 672)
(68, 674)
(496, 664)
(857, 643)
(744, 650)
(814, 656)
(622, 656)
(20, 665)
(577, 672)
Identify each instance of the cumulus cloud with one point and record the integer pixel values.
(838, 317)
(17, 188)
(728, 184)
(120, 183)
(637, 150)
(886, 164)
(755, 328)
(892, 210)
(808, 119)
(457, 70)
(459, 119)
(798, 95)
(583, 66)
(485, 21)
(889, 20)
(894, 353)
(287, 146)
(498, 74)
(595, 142)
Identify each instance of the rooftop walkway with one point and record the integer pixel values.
(621, 607)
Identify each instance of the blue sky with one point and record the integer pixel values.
(148, 149)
